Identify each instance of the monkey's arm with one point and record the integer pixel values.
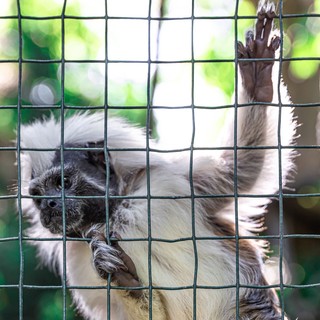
(257, 125)
(111, 259)
(256, 86)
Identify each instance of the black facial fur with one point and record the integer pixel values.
(84, 175)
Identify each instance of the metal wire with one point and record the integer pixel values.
(106, 155)
(148, 128)
(194, 240)
(235, 164)
(280, 173)
(21, 277)
(149, 107)
(63, 196)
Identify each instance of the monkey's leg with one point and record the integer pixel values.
(111, 259)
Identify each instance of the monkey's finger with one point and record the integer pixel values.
(92, 235)
(94, 231)
(275, 43)
(250, 40)
(260, 23)
(268, 25)
(242, 50)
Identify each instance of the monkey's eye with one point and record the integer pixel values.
(111, 171)
(66, 181)
(33, 191)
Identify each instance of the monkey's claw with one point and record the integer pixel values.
(256, 74)
(111, 259)
(106, 258)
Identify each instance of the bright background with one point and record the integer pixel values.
(122, 84)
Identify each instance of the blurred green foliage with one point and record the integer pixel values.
(85, 85)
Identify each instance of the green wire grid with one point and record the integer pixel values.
(150, 239)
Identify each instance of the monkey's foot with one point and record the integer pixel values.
(111, 259)
(256, 75)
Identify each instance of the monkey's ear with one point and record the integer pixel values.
(96, 157)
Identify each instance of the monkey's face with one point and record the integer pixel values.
(80, 197)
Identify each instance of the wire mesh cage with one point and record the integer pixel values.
(170, 66)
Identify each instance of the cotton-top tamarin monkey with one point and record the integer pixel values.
(180, 206)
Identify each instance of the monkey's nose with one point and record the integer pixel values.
(52, 203)
(49, 203)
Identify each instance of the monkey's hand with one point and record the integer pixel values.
(111, 259)
(256, 75)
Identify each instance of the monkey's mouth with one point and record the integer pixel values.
(53, 221)
(79, 217)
